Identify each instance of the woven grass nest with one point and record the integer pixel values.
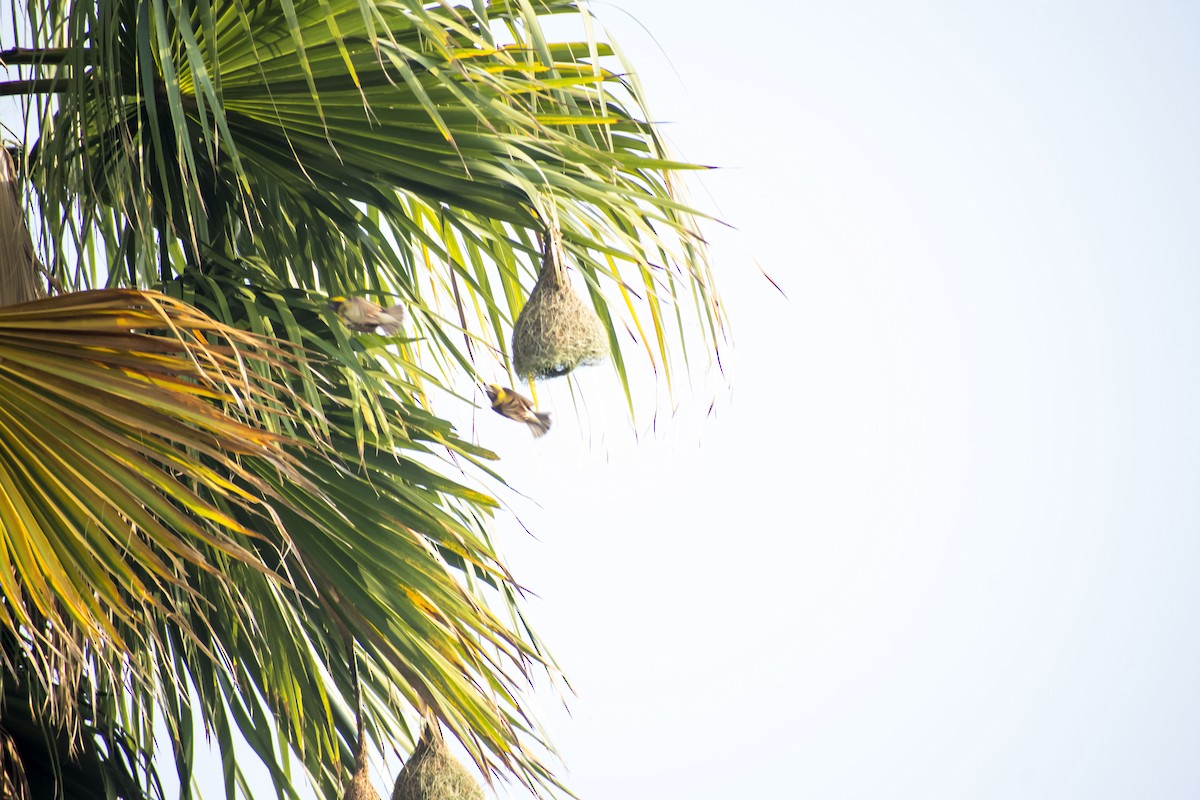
(360, 787)
(431, 773)
(556, 331)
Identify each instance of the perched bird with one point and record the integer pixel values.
(363, 316)
(509, 404)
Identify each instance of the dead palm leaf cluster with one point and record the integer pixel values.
(19, 272)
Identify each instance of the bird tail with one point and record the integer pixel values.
(540, 424)
(394, 319)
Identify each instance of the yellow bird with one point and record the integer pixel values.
(363, 316)
(515, 406)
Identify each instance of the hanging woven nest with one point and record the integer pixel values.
(360, 787)
(431, 773)
(556, 331)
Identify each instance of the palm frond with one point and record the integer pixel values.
(224, 460)
(272, 125)
(119, 411)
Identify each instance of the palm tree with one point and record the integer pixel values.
(220, 509)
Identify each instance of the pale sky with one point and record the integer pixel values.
(942, 540)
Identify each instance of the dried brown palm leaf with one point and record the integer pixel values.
(19, 266)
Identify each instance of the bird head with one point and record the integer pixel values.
(336, 302)
(493, 391)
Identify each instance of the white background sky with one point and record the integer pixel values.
(942, 539)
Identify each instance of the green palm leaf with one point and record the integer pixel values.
(196, 532)
(217, 487)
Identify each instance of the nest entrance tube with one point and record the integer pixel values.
(432, 773)
(556, 331)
